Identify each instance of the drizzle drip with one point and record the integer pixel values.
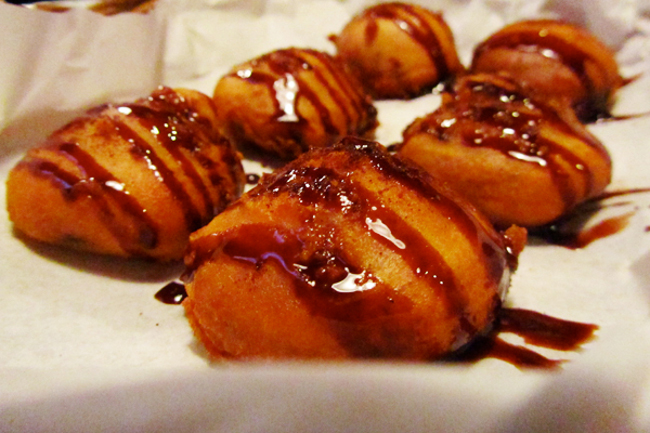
(568, 231)
(536, 329)
(556, 235)
(173, 293)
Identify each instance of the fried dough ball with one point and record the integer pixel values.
(131, 180)
(290, 100)
(398, 50)
(346, 252)
(516, 159)
(557, 60)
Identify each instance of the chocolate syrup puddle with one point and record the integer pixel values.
(570, 232)
(554, 234)
(536, 329)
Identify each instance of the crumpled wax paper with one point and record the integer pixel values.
(85, 346)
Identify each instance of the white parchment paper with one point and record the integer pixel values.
(85, 347)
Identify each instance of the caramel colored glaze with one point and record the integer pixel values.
(290, 100)
(335, 254)
(555, 45)
(116, 180)
(490, 135)
(536, 329)
(398, 50)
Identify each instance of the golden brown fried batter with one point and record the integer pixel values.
(517, 159)
(288, 101)
(346, 252)
(557, 60)
(131, 180)
(398, 50)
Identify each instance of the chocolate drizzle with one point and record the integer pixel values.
(142, 149)
(294, 74)
(568, 231)
(536, 329)
(492, 112)
(173, 293)
(316, 258)
(542, 37)
(162, 133)
(109, 195)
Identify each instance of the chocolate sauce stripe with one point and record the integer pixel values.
(562, 180)
(201, 130)
(188, 159)
(359, 108)
(419, 29)
(285, 66)
(570, 55)
(155, 163)
(428, 39)
(342, 98)
(46, 168)
(97, 175)
(420, 181)
(420, 255)
(178, 151)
